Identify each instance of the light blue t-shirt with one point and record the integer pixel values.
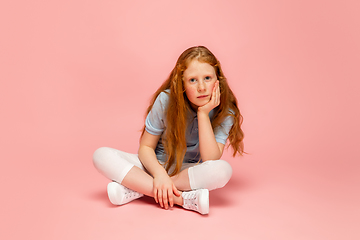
(155, 124)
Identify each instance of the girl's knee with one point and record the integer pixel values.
(210, 174)
(112, 163)
(223, 171)
(99, 156)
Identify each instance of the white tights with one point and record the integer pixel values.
(115, 164)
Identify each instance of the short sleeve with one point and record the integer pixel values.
(222, 132)
(155, 120)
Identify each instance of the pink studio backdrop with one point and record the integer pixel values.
(78, 75)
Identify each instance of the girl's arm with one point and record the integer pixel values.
(164, 188)
(209, 148)
(147, 154)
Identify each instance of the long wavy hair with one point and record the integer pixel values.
(179, 105)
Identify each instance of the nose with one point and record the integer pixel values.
(201, 86)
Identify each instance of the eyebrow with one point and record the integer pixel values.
(206, 74)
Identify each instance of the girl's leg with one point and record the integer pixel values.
(181, 180)
(125, 169)
(142, 182)
(127, 172)
(115, 164)
(208, 175)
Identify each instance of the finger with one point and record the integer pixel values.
(215, 85)
(155, 196)
(171, 200)
(217, 90)
(213, 94)
(176, 192)
(165, 199)
(160, 198)
(218, 93)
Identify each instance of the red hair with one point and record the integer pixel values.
(175, 141)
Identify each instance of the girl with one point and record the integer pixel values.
(188, 122)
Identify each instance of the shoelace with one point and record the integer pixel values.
(190, 200)
(130, 193)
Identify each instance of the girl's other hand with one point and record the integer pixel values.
(164, 190)
(214, 100)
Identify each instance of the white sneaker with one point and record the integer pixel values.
(119, 195)
(197, 200)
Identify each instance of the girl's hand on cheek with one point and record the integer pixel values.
(214, 100)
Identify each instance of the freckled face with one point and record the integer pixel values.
(199, 79)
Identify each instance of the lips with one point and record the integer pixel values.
(202, 96)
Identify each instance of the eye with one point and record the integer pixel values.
(207, 78)
(192, 80)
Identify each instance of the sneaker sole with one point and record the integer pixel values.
(112, 193)
(204, 201)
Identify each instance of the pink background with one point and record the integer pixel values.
(77, 75)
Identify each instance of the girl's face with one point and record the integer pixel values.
(199, 80)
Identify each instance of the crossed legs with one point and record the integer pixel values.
(127, 170)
